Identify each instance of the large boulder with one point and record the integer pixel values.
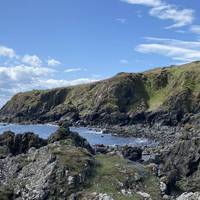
(64, 133)
(132, 153)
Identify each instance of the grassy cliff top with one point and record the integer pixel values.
(129, 93)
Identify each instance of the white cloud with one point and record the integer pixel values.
(195, 29)
(139, 14)
(52, 83)
(31, 60)
(123, 61)
(165, 11)
(180, 31)
(23, 73)
(72, 70)
(22, 78)
(174, 42)
(7, 52)
(185, 51)
(122, 20)
(151, 3)
(53, 62)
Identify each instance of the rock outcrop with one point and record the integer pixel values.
(181, 164)
(50, 169)
(64, 133)
(19, 143)
(132, 153)
(50, 172)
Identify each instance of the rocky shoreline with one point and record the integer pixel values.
(27, 162)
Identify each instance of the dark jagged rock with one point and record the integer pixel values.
(132, 153)
(100, 148)
(64, 133)
(14, 144)
(61, 134)
(20, 143)
(181, 164)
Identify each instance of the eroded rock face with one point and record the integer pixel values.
(44, 173)
(181, 164)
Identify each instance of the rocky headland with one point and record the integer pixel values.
(169, 96)
(162, 104)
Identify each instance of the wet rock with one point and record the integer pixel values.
(132, 153)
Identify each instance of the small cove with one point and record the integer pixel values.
(93, 136)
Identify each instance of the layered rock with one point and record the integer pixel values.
(181, 164)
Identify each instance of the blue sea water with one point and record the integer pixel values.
(93, 136)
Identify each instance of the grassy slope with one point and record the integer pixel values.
(125, 92)
(112, 170)
(180, 78)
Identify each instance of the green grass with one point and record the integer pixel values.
(111, 170)
(74, 157)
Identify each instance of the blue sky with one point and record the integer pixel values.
(46, 44)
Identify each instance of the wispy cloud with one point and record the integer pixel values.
(26, 72)
(52, 83)
(7, 52)
(72, 70)
(123, 61)
(185, 51)
(139, 14)
(165, 11)
(122, 20)
(53, 62)
(195, 29)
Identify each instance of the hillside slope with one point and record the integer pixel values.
(168, 95)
